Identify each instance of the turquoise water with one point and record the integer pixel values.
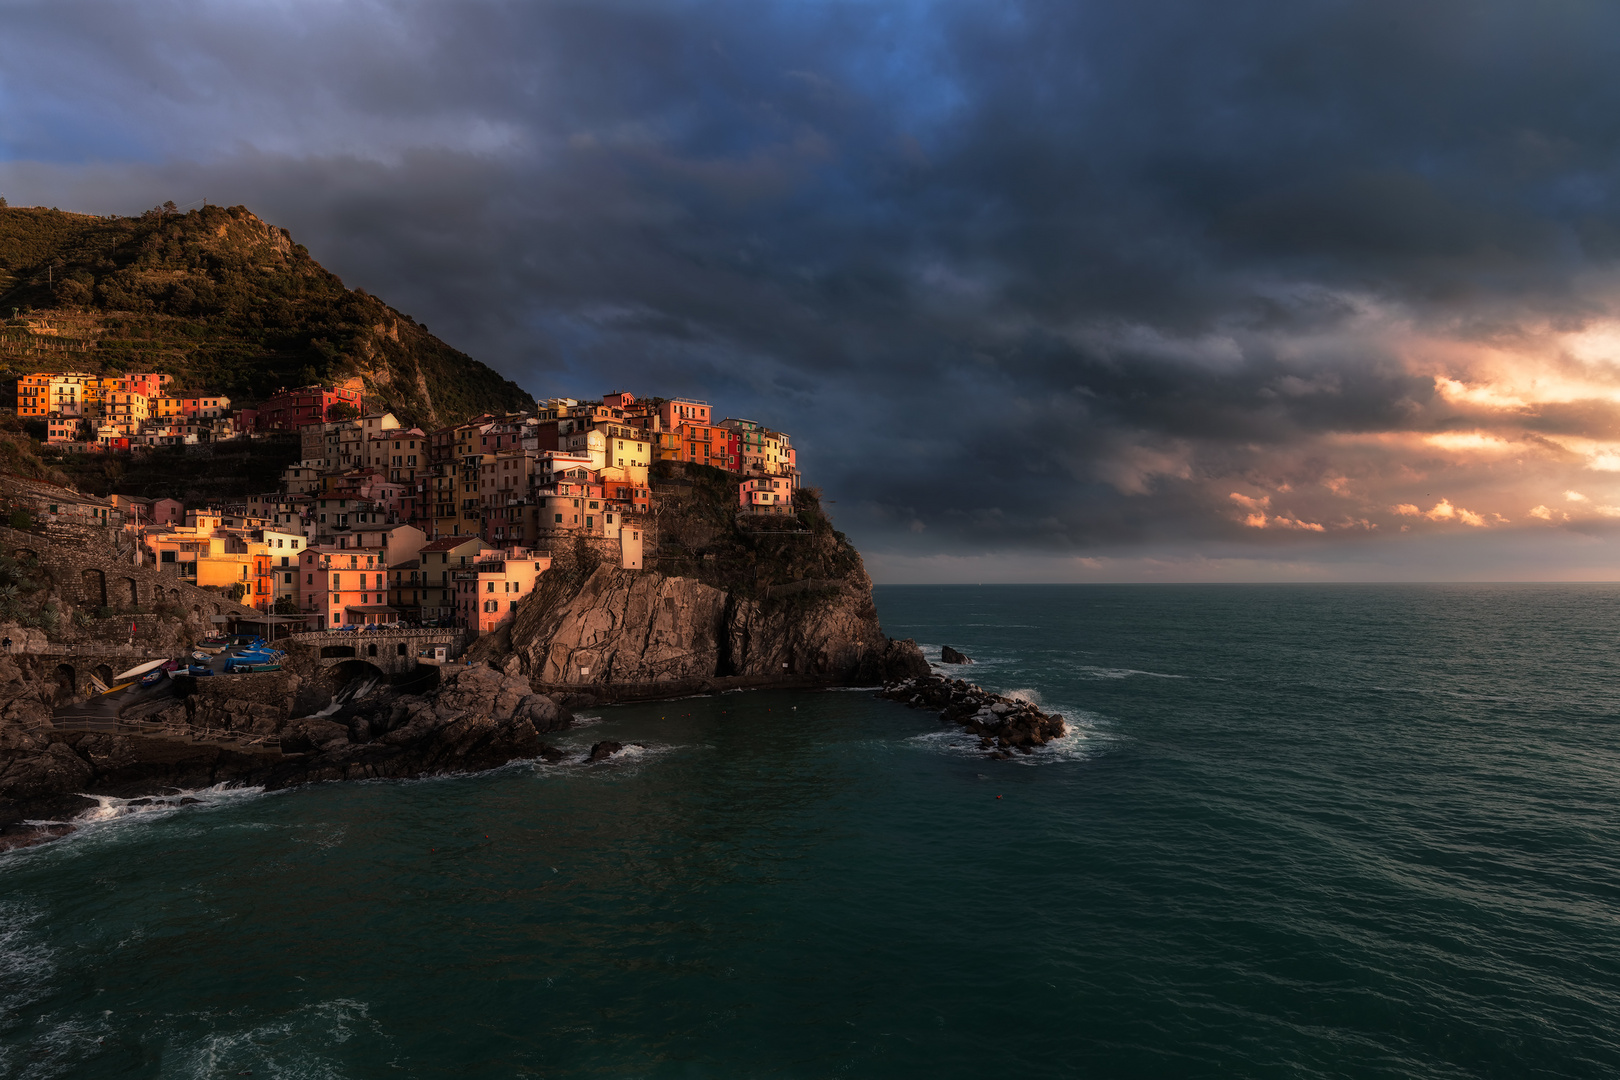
(1299, 831)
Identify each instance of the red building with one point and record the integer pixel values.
(290, 410)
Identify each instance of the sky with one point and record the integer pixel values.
(1069, 291)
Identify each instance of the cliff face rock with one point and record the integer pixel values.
(621, 633)
(624, 627)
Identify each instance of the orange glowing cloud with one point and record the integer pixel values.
(1445, 511)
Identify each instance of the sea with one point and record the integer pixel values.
(1295, 831)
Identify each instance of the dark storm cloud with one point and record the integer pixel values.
(1017, 274)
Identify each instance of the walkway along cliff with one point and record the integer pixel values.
(732, 601)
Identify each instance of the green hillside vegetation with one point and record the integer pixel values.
(701, 536)
(223, 301)
(217, 474)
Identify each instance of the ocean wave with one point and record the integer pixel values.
(27, 961)
(304, 1043)
(631, 754)
(1094, 672)
(28, 965)
(109, 808)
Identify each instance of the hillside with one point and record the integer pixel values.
(223, 301)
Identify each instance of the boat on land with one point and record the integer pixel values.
(237, 666)
(140, 669)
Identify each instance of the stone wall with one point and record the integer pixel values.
(94, 570)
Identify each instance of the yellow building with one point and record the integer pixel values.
(126, 411)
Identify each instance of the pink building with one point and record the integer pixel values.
(64, 429)
(488, 592)
(344, 587)
(766, 495)
(168, 512)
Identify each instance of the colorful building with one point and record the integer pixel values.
(765, 495)
(344, 587)
(289, 410)
(487, 593)
(437, 563)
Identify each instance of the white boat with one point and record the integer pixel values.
(141, 669)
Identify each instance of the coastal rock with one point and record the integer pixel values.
(312, 733)
(54, 770)
(948, 655)
(1003, 724)
(789, 608)
(624, 627)
(477, 690)
(603, 750)
(543, 713)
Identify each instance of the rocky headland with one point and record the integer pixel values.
(730, 604)
(1004, 725)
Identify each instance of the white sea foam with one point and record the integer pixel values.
(108, 808)
(1085, 737)
(351, 691)
(27, 962)
(301, 1043)
(1089, 671)
(631, 754)
(27, 966)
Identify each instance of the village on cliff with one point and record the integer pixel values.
(378, 523)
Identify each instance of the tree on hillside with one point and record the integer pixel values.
(341, 410)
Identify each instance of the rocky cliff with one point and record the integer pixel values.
(210, 732)
(731, 604)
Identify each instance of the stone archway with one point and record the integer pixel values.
(130, 593)
(350, 670)
(336, 652)
(104, 673)
(67, 682)
(94, 583)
